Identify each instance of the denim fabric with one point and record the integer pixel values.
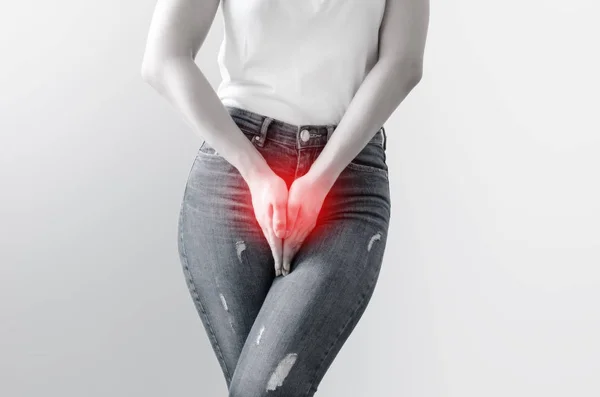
(277, 336)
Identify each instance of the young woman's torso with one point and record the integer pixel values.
(300, 61)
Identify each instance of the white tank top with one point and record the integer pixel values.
(299, 61)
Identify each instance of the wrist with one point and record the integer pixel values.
(251, 164)
(323, 174)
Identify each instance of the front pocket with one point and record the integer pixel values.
(366, 168)
(370, 159)
(207, 151)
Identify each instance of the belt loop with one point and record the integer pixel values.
(263, 131)
(330, 129)
(384, 138)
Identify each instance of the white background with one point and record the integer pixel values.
(490, 284)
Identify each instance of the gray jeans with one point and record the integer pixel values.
(277, 336)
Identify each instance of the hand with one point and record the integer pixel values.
(269, 197)
(304, 203)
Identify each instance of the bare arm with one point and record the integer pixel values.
(177, 31)
(398, 70)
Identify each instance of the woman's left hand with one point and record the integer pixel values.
(305, 199)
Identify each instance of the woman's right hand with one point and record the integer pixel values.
(269, 200)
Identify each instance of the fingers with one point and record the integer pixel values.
(269, 200)
(293, 235)
(277, 249)
(293, 210)
(276, 245)
(290, 247)
(279, 216)
(292, 244)
(276, 229)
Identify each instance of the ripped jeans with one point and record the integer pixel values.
(277, 336)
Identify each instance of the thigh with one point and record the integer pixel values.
(226, 261)
(308, 315)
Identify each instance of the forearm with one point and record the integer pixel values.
(185, 87)
(382, 90)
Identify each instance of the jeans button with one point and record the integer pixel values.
(304, 135)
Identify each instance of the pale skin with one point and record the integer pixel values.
(177, 31)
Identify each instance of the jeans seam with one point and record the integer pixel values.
(360, 304)
(195, 296)
(367, 168)
(249, 135)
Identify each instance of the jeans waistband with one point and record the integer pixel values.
(293, 135)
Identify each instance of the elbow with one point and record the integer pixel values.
(152, 67)
(150, 71)
(413, 73)
(415, 79)
(407, 71)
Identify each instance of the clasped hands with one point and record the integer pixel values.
(287, 217)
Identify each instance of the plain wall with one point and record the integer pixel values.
(490, 283)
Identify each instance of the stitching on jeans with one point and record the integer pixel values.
(195, 295)
(367, 168)
(360, 304)
(200, 153)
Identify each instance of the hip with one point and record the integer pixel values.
(362, 188)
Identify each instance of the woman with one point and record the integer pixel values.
(291, 179)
